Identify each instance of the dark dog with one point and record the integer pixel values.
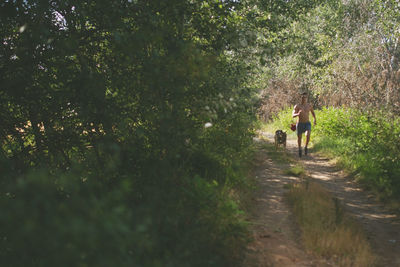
(280, 138)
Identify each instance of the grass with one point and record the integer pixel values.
(296, 170)
(327, 230)
(335, 148)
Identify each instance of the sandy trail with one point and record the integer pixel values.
(277, 238)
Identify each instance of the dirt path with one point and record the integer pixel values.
(276, 238)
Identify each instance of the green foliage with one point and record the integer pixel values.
(346, 53)
(367, 143)
(65, 220)
(282, 120)
(125, 128)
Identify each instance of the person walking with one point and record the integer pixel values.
(303, 125)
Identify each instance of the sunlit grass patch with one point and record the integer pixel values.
(326, 229)
(296, 170)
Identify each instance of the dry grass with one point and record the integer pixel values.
(327, 231)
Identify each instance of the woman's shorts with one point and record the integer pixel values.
(302, 127)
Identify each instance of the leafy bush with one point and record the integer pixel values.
(84, 217)
(371, 146)
(125, 130)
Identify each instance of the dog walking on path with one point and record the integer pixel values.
(280, 138)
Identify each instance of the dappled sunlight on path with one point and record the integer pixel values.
(381, 225)
(276, 238)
